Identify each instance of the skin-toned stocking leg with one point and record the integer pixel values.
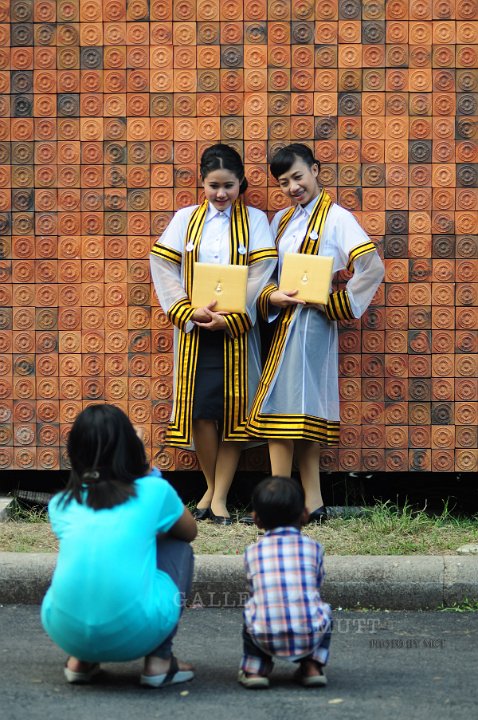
(281, 452)
(227, 459)
(206, 443)
(308, 454)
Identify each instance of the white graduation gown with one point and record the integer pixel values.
(302, 398)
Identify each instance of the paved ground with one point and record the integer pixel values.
(405, 665)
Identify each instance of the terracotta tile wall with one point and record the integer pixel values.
(105, 107)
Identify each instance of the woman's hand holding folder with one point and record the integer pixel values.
(205, 318)
(284, 298)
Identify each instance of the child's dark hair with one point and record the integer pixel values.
(223, 157)
(278, 501)
(286, 157)
(106, 458)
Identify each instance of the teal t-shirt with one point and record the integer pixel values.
(108, 601)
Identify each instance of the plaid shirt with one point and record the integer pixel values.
(284, 614)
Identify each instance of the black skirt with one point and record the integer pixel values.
(208, 403)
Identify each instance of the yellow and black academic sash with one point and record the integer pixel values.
(236, 396)
(235, 344)
(299, 425)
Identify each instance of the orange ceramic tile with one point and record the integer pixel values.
(466, 294)
(255, 151)
(466, 389)
(255, 104)
(466, 437)
(326, 81)
(379, 110)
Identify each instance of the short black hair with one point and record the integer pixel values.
(223, 157)
(278, 501)
(286, 157)
(106, 458)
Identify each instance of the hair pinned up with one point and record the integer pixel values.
(90, 477)
(286, 157)
(223, 157)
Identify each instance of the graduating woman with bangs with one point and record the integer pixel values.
(297, 403)
(216, 355)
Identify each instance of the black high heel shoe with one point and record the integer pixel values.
(201, 513)
(220, 519)
(318, 516)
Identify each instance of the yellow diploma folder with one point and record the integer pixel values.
(227, 284)
(311, 275)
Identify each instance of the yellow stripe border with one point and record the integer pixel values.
(295, 427)
(357, 252)
(263, 301)
(264, 254)
(338, 306)
(166, 253)
(180, 313)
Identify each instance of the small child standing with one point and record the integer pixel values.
(284, 616)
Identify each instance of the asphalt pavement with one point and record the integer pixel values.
(401, 665)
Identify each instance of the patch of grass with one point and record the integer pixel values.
(384, 529)
(465, 606)
(27, 537)
(21, 512)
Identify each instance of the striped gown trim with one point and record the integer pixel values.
(263, 301)
(236, 395)
(180, 312)
(180, 427)
(338, 306)
(264, 254)
(358, 251)
(166, 253)
(295, 427)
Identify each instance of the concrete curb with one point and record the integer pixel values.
(4, 503)
(393, 582)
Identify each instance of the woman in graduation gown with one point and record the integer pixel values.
(297, 403)
(216, 356)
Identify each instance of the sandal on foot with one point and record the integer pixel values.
(253, 682)
(311, 680)
(81, 678)
(172, 677)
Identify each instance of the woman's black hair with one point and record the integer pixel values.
(286, 157)
(278, 501)
(106, 458)
(223, 157)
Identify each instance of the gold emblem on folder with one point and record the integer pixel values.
(310, 275)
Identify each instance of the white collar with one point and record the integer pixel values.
(307, 209)
(213, 212)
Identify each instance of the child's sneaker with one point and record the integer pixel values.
(253, 682)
